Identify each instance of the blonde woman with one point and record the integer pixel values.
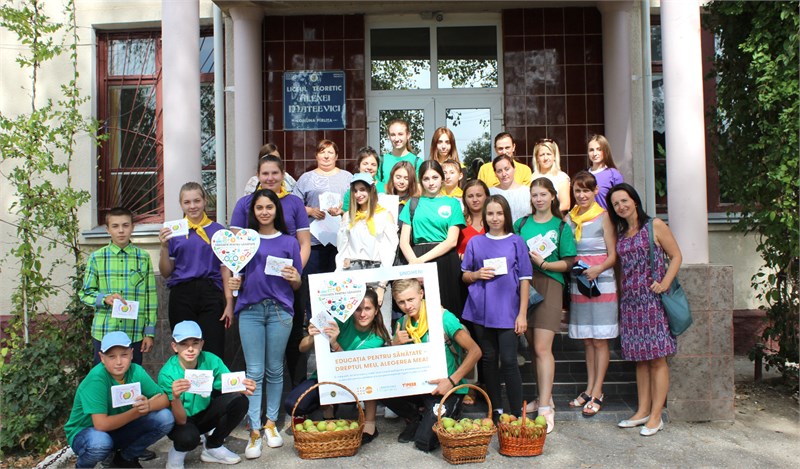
(547, 163)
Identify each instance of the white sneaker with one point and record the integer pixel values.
(388, 414)
(253, 450)
(221, 455)
(175, 459)
(272, 436)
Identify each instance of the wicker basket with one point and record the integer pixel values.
(526, 444)
(462, 448)
(329, 444)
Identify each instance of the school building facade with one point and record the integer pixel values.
(189, 90)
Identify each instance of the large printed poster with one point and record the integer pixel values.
(384, 372)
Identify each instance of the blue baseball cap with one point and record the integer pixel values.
(366, 178)
(114, 339)
(186, 330)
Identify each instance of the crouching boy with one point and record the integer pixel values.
(96, 428)
(413, 327)
(197, 414)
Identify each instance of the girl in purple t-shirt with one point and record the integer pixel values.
(497, 271)
(602, 167)
(265, 309)
(193, 274)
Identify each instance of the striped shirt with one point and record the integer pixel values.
(129, 272)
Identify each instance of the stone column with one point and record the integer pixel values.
(685, 128)
(180, 90)
(617, 82)
(702, 371)
(247, 90)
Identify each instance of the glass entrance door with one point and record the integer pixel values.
(441, 74)
(473, 120)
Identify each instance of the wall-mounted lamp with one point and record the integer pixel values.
(432, 15)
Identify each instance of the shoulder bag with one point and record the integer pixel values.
(675, 302)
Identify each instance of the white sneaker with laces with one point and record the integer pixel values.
(272, 436)
(253, 450)
(175, 459)
(221, 455)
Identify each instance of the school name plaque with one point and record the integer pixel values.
(313, 100)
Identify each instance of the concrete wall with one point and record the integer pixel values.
(15, 92)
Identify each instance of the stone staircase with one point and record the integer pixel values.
(570, 380)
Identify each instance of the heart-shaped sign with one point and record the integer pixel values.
(235, 250)
(340, 298)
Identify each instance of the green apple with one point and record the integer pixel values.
(322, 426)
(308, 423)
(447, 422)
(541, 421)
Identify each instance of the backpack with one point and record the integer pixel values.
(399, 258)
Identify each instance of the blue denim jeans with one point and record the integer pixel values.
(264, 330)
(93, 446)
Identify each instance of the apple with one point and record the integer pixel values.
(487, 422)
(353, 425)
(299, 427)
(464, 422)
(458, 428)
(322, 426)
(308, 423)
(312, 429)
(541, 421)
(512, 417)
(342, 423)
(505, 418)
(330, 425)
(447, 422)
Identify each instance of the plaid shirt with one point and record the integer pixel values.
(129, 272)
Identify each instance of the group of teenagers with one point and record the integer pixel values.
(493, 287)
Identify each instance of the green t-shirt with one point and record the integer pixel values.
(453, 356)
(379, 187)
(564, 241)
(388, 161)
(351, 338)
(172, 370)
(433, 217)
(94, 396)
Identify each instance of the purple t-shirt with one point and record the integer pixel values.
(258, 286)
(294, 213)
(495, 303)
(606, 179)
(194, 258)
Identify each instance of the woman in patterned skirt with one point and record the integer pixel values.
(644, 331)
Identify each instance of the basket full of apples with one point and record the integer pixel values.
(328, 438)
(521, 436)
(466, 440)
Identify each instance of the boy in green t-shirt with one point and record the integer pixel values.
(96, 428)
(197, 414)
(413, 328)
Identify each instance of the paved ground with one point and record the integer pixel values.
(766, 433)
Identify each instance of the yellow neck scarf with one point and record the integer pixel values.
(362, 215)
(590, 214)
(283, 192)
(418, 331)
(457, 192)
(198, 227)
